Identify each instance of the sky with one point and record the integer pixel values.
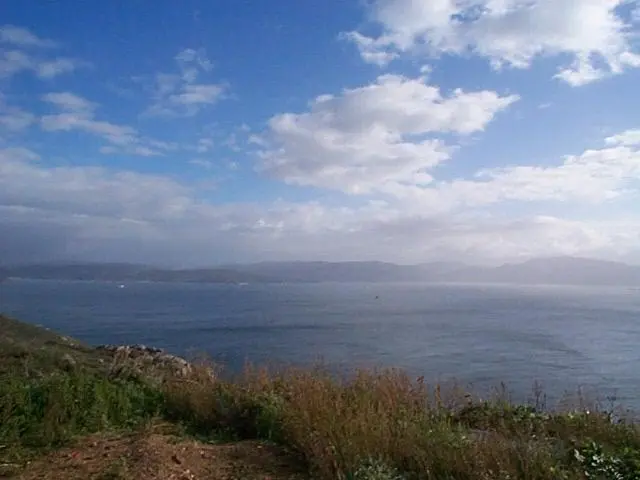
(205, 132)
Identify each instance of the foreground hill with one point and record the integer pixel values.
(67, 413)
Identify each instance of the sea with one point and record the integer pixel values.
(519, 340)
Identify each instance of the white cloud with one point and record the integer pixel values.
(592, 178)
(204, 145)
(13, 119)
(380, 141)
(580, 73)
(370, 50)
(53, 68)
(23, 37)
(87, 190)
(16, 120)
(13, 62)
(628, 138)
(78, 114)
(117, 134)
(18, 154)
(507, 32)
(89, 213)
(69, 102)
(192, 63)
(182, 94)
(258, 140)
(197, 94)
(371, 137)
(202, 163)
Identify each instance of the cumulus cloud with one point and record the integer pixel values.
(594, 176)
(507, 32)
(590, 178)
(628, 138)
(368, 138)
(183, 93)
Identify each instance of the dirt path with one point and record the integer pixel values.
(157, 456)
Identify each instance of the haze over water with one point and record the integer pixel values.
(562, 337)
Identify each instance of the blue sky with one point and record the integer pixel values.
(400, 130)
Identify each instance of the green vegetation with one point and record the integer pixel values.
(375, 426)
(35, 352)
(48, 412)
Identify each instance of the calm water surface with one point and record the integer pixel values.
(562, 337)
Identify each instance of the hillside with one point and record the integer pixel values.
(558, 271)
(127, 273)
(554, 271)
(36, 352)
(69, 411)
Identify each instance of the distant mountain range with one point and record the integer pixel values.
(558, 270)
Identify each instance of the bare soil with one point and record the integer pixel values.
(159, 456)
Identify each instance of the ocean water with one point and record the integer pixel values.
(563, 338)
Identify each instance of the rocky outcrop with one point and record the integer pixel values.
(150, 362)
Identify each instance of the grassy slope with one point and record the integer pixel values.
(35, 351)
(65, 415)
(375, 426)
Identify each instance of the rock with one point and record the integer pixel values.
(69, 341)
(142, 360)
(68, 362)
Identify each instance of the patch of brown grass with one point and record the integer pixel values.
(398, 423)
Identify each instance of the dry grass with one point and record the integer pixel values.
(376, 425)
(393, 426)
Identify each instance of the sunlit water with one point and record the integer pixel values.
(562, 337)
